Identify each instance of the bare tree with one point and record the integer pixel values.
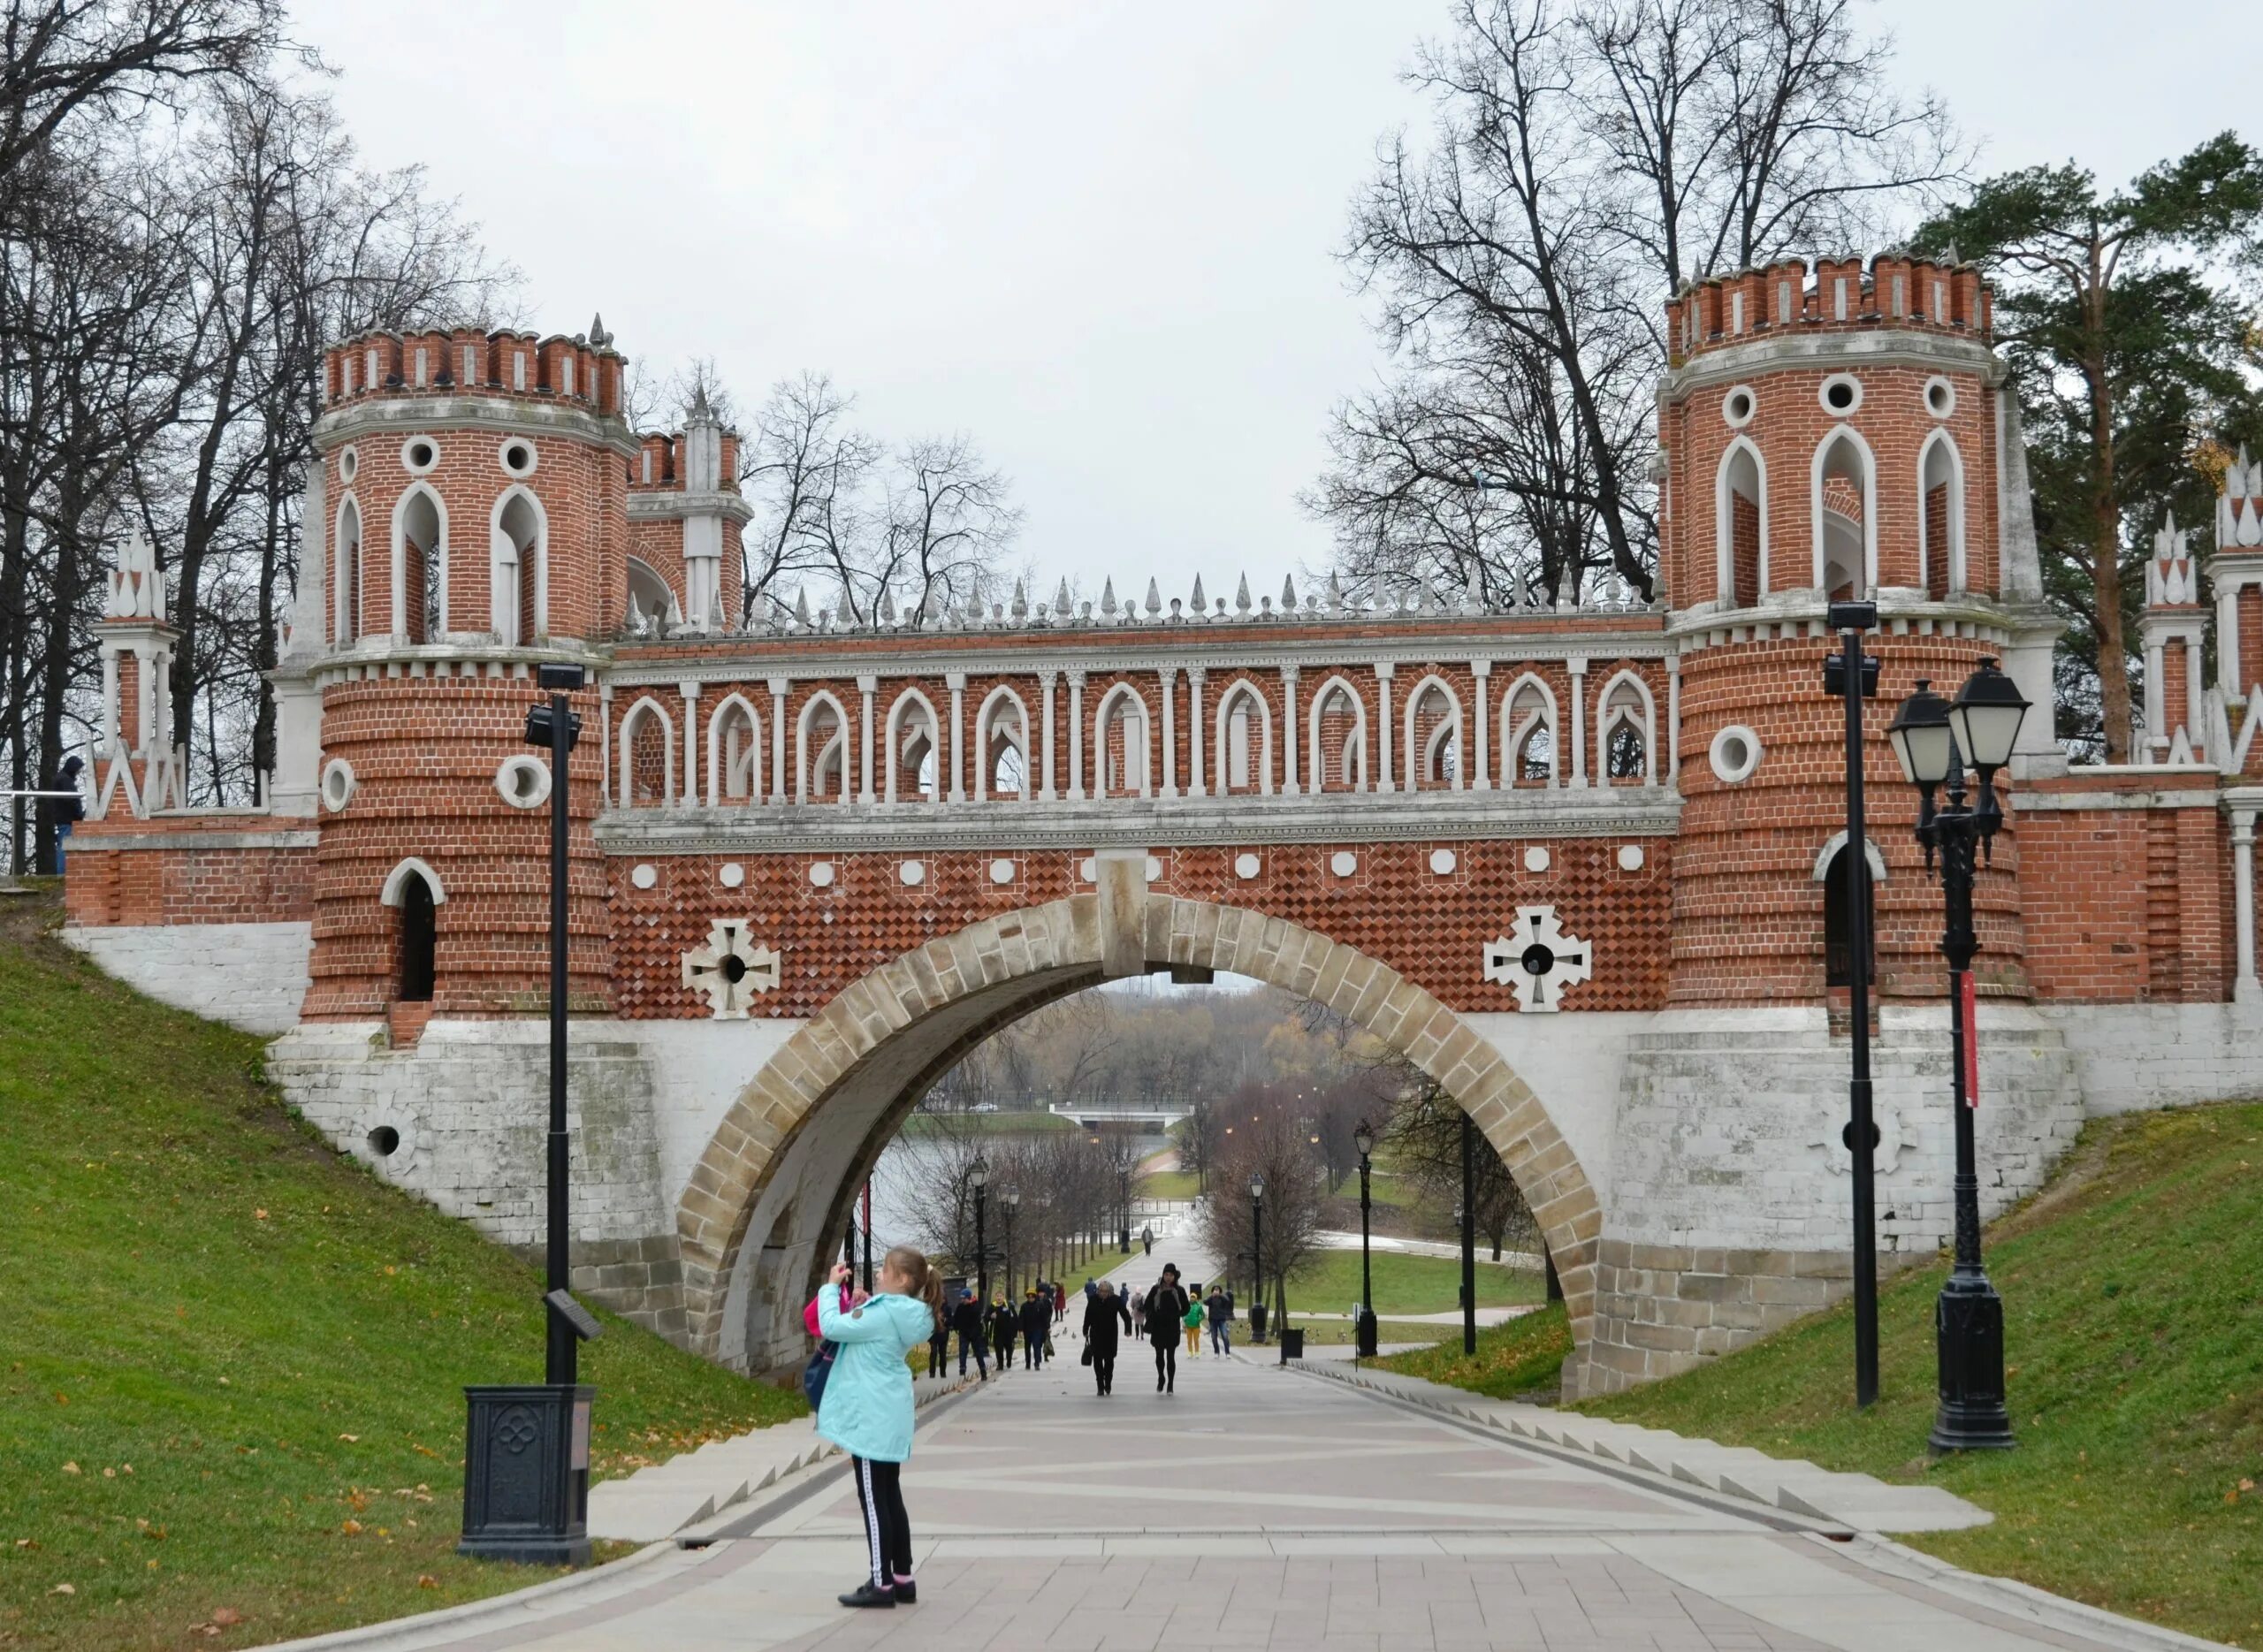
(1269, 1141)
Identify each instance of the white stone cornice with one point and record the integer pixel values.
(1790, 347)
(381, 418)
(663, 506)
(381, 657)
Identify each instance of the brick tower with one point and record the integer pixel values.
(1835, 433)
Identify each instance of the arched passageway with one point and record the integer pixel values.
(770, 1196)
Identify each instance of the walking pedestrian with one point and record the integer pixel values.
(55, 817)
(966, 1320)
(1218, 1308)
(1104, 1313)
(1192, 1320)
(867, 1407)
(1036, 1324)
(1000, 1327)
(1059, 1301)
(939, 1347)
(1166, 1312)
(1146, 1241)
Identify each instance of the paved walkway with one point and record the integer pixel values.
(1259, 1508)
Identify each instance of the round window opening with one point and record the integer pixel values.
(523, 782)
(1735, 753)
(732, 968)
(385, 1141)
(337, 784)
(1842, 392)
(420, 455)
(1738, 407)
(1538, 959)
(1940, 398)
(349, 463)
(518, 458)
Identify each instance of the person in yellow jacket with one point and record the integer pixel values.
(1192, 1321)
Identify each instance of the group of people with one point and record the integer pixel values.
(860, 1377)
(1001, 1328)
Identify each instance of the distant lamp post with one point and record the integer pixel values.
(1257, 1253)
(1363, 1138)
(1011, 1199)
(1124, 1205)
(1933, 740)
(978, 1178)
(1465, 1218)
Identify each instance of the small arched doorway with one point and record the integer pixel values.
(1838, 926)
(419, 941)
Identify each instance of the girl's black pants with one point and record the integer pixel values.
(888, 1528)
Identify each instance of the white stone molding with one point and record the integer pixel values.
(1248, 865)
(1837, 434)
(867, 685)
(1673, 719)
(1242, 691)
(384, 418)
(604, 742)
(522, 780)
(1049, 681)
(1288, 732)
(1195, 677)
(396, 625)
(1631, 856)
(1344, 863)
(1481, 671)
(1317, 769)
(1144, 756)
(821, 874)
(1605, 720)
(1383, 669)
(1725, 523)
(1735, 752)
(1076, 735)
(804, 759)
(1836, 841)
(731, 969)
(1959, 575)
(1537, 858)
(1539, 960)
(1002, 870)
(691, 692)
(1169, 675)
(731, 874)
(337, 784)
(1579, 673)
(108, 748)
(348, 557)
(504, 551)
(645, 875)
(647, 706)
(397, 882)
(2246, 987)
(986, 759)
(1443, 862)
(909, 698)
(1416, 760)
(956, 682)
(911, 873)
(719, 762)
(1515, 731)
(778, 687)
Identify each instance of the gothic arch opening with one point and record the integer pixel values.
(419, 941)
(768, 1203)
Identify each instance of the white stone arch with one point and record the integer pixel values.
(434, 626)
(1836, 841)
(1101, 713)
(1515, 731)
(346, 560)
(804, 759)
(396, 882)
(1316, 769)
(630, 722)
(648, 582)
(893, 746)
(503, 551)
(1416, 763)
(723, 766)
(1941, 442)
(1824, 449)
(1608, 717)
(1725, 520)
(1240, 690)
(985, 731)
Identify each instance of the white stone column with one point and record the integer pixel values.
(605, 744)
(145, 677)
(1048, 679)
(778, 687)
(2195, 730)
(957, 681)
(2227, 637)
(867, 687)
(110, 702)
(1076, 735)
(1673, 776)
(1383, 669)
(2156, 721)
(1482, 671)
(691, 692)
(2246, 989)
(1288, 730)
(1579, 670)
(1170, 732)
(1196, 675)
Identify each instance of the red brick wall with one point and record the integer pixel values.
(189, 884)
(2127, 905)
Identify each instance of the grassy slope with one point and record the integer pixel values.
(2134, 1337)
(231, 1365)
(1330, 1283)
(1523, 1356)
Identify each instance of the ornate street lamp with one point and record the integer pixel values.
(978, 1178)
(1932, 741)
(1257, 1253)
(1011, 1199)
(1363, 1138)
(1465, 1217)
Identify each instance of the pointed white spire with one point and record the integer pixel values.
(1107, 597)
(802, 607)
(1155, 603)
(1060, 599)
(1021, 603)
(1288, 593)
(1199, 602)
(1241, 596)
(1473, 591)
(1335, 593)
(886, 604)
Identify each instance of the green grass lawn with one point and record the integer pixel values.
(2134, 1338)
(1329, 1282)
(1019, 1122)
(232, 1361)
(1169, 1184)
(1521, 1358)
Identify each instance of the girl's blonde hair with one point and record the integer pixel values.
(919, 1274)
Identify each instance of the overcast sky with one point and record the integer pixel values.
(1096, 236)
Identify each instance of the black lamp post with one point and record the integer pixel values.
(1257, 1252)
(978, 1178)
(526, 1488)
(1011, 1199)
(1124, 1204)
(1363, 1138)
(1852, 675)
(1933, 740)
(1465, 1217)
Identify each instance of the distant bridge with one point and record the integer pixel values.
(1156, 1115)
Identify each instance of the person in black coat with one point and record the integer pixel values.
(966, 1320)
(1104, 1314)
(939, 1347)
(1165, 1325)
(1002, 1327)
(1037, 1325)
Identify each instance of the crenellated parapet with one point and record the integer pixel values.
(582, 370)
(1896, 294)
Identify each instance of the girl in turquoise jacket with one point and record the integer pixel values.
(867, 1406)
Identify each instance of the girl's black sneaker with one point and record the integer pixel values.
(907, 1592)
(869, 1595)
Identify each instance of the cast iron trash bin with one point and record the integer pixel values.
(1292, 1343)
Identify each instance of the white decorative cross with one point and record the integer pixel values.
(730, 969)
(1538, 961)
